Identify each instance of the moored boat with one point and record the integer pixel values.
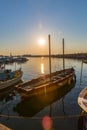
(44, 84)
(9, 78)
(20, 59)
(82, 99)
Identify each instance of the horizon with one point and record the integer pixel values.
(24, 22)
(30, 55)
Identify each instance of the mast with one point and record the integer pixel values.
(49, 56)
(81, 72)
(63, 54)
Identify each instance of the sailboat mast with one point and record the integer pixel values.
(49, 56)
(81, 72)
(63, 54)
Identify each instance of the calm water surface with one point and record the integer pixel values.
(61, 106)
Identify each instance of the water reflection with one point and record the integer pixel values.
(6, 99)
(4, 93)
(7, 94)
(35, 104)
(42, 68)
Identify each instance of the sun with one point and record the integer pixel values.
(41, 41)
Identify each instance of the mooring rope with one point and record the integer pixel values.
(55, 117)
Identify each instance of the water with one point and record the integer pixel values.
(61, 106)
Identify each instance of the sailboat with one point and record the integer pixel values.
(49, 82)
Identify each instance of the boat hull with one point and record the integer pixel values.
(82, 99)
(58, 80)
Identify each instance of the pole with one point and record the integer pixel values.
(49, 56)
(63, 55)
(81, 72)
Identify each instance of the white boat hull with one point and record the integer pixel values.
(82, 99)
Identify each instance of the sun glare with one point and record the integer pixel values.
(41, 41)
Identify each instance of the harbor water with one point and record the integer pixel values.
(61, 106)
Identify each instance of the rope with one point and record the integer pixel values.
(55, 117)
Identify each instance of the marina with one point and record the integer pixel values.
(43, 65)
(61, 106)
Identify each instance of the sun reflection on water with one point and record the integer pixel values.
(42, 68)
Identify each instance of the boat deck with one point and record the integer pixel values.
(43, 81)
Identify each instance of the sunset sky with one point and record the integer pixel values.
(24, 22)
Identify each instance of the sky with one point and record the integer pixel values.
(24, 22)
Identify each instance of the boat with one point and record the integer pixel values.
(8, 78)
(82, 99)
(44, 84)
(20, 59)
